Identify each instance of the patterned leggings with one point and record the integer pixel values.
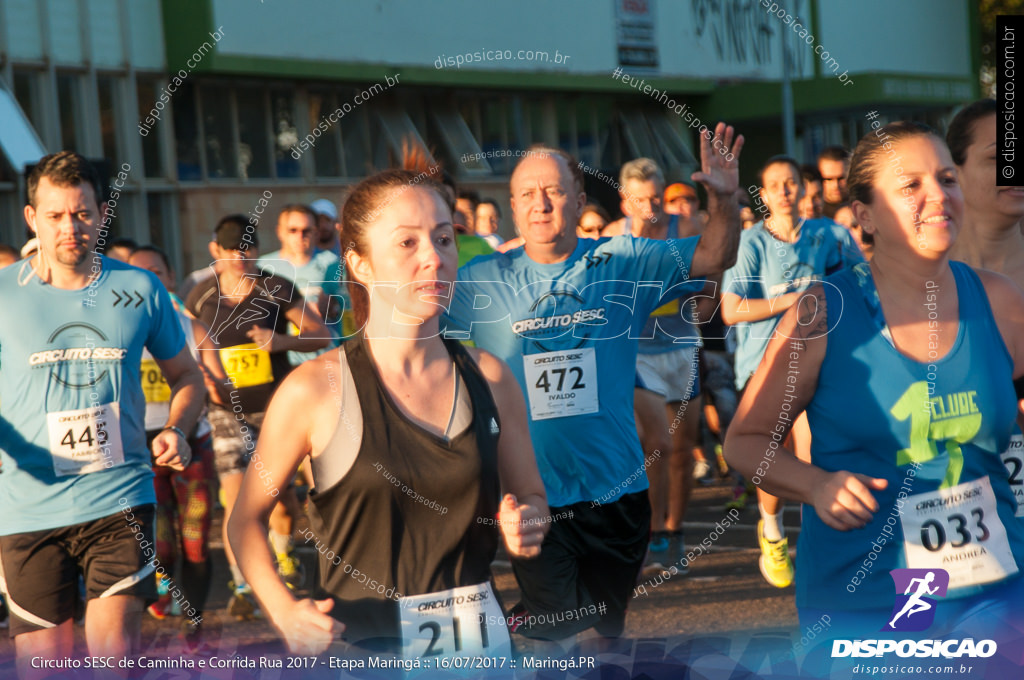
(184, 512)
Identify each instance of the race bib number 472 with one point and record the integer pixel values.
(561, 384)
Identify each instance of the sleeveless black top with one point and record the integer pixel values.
(404, 519)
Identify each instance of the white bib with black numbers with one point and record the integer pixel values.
(561, 383)
(464, 621)
(85, 440)
(959, 530)
(1013, 459)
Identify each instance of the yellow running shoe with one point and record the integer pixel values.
(775, 562)
(291, 570)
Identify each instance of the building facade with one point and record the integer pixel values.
(208, 106)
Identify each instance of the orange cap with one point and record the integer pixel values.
(678, 189)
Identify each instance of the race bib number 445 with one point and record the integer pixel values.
(464, 621)
(959, 530)
(561, 384)
(85, 440)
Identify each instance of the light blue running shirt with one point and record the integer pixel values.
(72, 433)
(767, 267)
(569, 331)
(671, 327)
(322, 275)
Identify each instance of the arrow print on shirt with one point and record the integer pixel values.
(596, 260)
(127, 298)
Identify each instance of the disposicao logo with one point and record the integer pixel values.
(916, 590)
(914, 611)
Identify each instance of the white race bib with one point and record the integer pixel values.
(85, 440)
(464, 621)
(1013, 459)
(562, 383)
(959, 530)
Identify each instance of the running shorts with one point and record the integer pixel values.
(674, 375)
(590, 559)
(234, 438)
(41, 567)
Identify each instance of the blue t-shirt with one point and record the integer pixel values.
(569, 333)
(767, 267)
(322, 275)
(878, 413)
(671, 326)
(72, 431)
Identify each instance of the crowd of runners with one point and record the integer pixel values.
(846, 335)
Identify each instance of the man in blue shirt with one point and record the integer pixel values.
(566, 315)
(77, 484)
(316, 273)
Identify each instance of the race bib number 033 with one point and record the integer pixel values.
(247, 365)
(561, 384)
(958, 529)
(464, 621)
(85, 440)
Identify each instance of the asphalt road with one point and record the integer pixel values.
(722, 603)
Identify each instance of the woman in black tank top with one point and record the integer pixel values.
(405, 513)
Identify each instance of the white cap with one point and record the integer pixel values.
(322, 206)
(30, 247)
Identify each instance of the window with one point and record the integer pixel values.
(253, 129)
(218, 136)
(26, 91)
(186, 133)
(106, 87)
(355, 143)
(286, 135)
(69, 99)
(151, 119)
(327, 152)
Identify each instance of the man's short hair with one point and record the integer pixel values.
(489, 201)
(834, 153)
(297, 208)
(469, 195)
(64, 169)
(810, 173)
(234, 230)
(642, 170)
(159, 252)
(122, 242)
(575, 169)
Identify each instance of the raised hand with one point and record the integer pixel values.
(720, 161)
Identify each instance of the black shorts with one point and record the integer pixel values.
(41, 567)
(590, 559)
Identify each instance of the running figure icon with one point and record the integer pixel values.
(915, 603)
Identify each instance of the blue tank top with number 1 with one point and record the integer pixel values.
(933, 429)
